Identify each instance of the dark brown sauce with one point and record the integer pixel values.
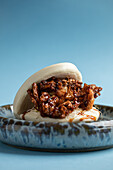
(23, 116)
(71, 119)
(81, 113)
(88, 117)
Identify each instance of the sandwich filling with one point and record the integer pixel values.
(58, 97)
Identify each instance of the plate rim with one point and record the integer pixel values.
(32, 123)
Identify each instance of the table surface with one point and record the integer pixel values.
(35, 34)
(12, 158)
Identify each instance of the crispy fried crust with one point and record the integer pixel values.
(57, 98)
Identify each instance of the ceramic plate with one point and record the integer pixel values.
(57, 136)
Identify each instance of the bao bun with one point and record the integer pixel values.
(22, 101)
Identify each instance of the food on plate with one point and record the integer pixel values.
(57, 94)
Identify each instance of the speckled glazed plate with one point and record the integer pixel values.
(57, 136)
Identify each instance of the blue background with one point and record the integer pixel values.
(38, 33)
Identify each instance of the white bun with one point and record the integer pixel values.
(77, 115)
(22, 101)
